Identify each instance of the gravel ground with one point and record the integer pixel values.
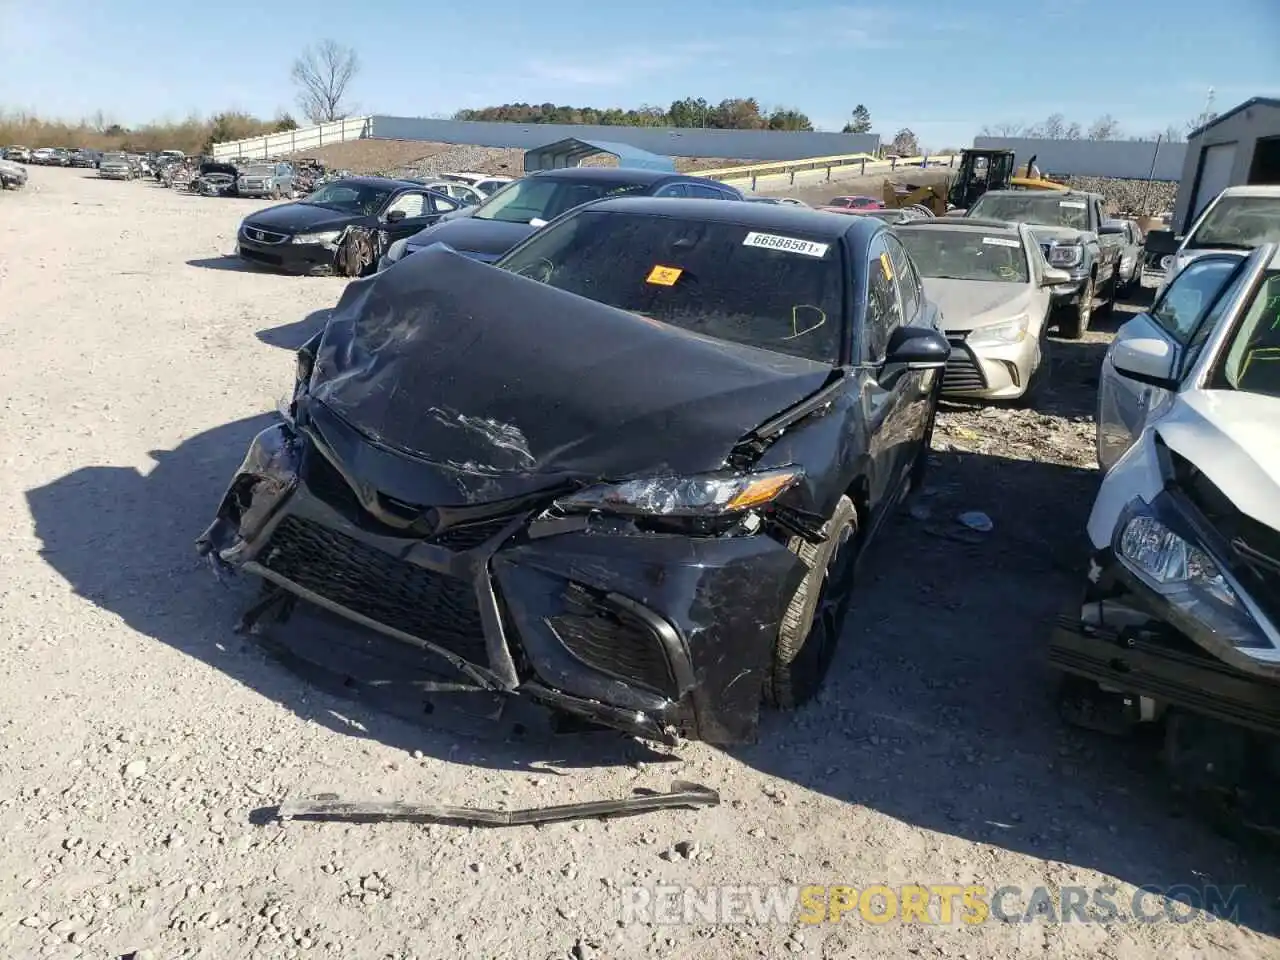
(419, 158)
(144, 742)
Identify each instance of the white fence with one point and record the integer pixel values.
(292, 141)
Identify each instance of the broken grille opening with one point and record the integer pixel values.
(327, 484)
(963, 373)
(613, 641)
(1255, 547)
(423, 603)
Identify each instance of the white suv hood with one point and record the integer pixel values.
(1234, 438)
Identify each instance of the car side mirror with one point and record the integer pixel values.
(1111, 229)
(395, 216)
(917, 348)
(1147, 360)
(1052, 276)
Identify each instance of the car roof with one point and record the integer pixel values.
(380, 182)
(759, 216)
(1055, 194)
(984, 224)
(1253, 190)
(610, 175)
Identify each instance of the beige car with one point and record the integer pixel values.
(990, 280)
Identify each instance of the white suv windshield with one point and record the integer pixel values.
(1238, 223)
(1252, 362)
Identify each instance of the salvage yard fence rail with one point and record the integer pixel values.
(753, 172)
(293, 141)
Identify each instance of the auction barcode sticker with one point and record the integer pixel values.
(771, 241)
(1073, 204)
(1001, 242)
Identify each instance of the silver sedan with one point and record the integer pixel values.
(994, 288)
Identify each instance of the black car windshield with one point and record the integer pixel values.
(782, 291)
(350, 197)
(1051, 209)
(1239, 223)
(545, 198)
(966, 254)
(1251, 363)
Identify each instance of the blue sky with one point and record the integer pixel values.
(941, 67)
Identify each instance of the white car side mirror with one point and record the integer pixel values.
(1052, 276)
(1147, 360)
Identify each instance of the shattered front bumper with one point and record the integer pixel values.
(300, 258)
(1130, 638)
(659, 635)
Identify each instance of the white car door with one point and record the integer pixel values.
(1124, 404)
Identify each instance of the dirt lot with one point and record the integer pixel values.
(144, 742)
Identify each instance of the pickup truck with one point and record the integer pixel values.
(1075, 235)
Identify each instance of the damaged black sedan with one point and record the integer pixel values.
(627, 471)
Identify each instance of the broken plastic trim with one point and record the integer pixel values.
(327, 808)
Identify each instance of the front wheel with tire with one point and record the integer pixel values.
(811, 625)
(1073, 319)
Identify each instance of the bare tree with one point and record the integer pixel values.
(1006, 129)
(1106, 127)
(321, 75)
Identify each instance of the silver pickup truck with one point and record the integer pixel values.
(1075, 235)
(274, 180)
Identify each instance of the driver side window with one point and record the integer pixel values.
(1192, 292)
(412, 204)
(884, 305)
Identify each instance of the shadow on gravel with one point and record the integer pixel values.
(125, 541)
(939, 711)
(232, 263)
(291, 336)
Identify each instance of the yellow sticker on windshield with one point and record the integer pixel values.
(886, 265)
(664, 276)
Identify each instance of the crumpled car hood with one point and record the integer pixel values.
(966, 304)
(510, 386)
(1234, 438)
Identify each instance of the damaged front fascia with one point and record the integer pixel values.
(264, 480)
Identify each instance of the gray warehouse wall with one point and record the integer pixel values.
(668, 141)
(1243, 128)
(1094, 158)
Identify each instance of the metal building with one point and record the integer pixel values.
(1241, 146)
(571, 151)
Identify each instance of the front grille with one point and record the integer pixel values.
(422, 603)
(613, 641)
(263, 236)
(1255, 547)
(963, 374)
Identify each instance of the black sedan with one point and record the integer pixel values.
(488, 230)
(306, 236)
(626, 471)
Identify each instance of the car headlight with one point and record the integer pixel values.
(1001, 334)
(322, 236)
(1066, 255)
(395, 252)
(701, 496)
(1190, 580)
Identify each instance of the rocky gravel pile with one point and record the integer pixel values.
(1133, 197)
(464, 158)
